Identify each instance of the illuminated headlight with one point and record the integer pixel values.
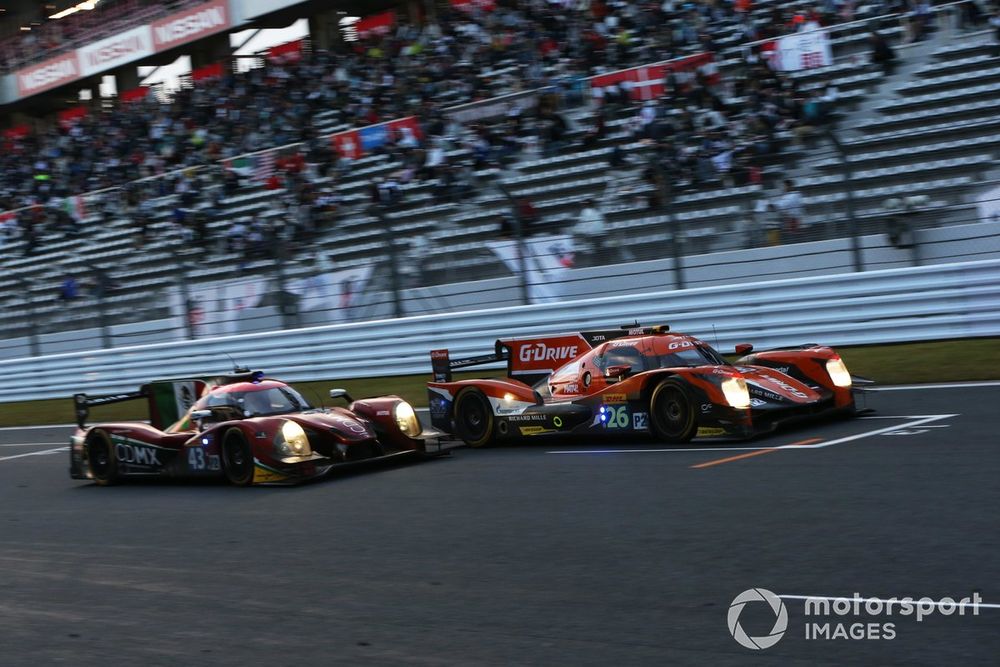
(838, 372)
(406, 419)
(735, 391)
(292, 441)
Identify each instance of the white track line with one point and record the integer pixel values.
(41, 453)
(916, 420)
(31, 428)
(895, 427)
(949, 385)
(31, 444)
(935, 603)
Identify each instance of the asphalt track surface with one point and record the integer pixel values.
(520, 556)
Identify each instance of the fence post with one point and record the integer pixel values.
(518, 243)
(852, 223)
(281, 256)
(182, 283)
(33, 342)
(665, 187)
(389, 242)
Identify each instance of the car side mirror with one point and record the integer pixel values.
(617, 372)
(201, 414)
(341, 393)
(744, 348)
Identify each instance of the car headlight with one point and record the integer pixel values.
(735, 391)
(838, 372)
(291, 440)
(406, 419)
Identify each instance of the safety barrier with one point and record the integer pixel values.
(943, 301)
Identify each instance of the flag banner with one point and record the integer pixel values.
(469, 6)
(17, 132)
(355, 143)
(215, 309)
(799, 51)
(75, 207)
(646, 82)
(289, 52)
(332, 292)
(69, 116)
(258, 166)
(208, 72)
(547, 260)
(134, 95)
(377, 24)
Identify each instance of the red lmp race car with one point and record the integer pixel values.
(636, 380)
(241, 427)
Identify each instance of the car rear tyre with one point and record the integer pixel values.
(474, 418)
(237, 459)
(672, 413)
(102, 459)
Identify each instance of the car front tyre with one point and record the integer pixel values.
(672, 413)
(237, 459)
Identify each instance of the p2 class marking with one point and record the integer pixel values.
(41, 453)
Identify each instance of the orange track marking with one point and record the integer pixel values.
(746, 455)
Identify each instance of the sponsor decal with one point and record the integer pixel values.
(706, 407)
(533, 430)
(598, 339)
(116, 50)
(615, 398)
(49, 74)
(350, 424)
(527, 418)
(439, 354)
(189, 25)
(769, 395)
(757, 402)
(543, 352)
(710, 431)
(640, 421)
(782, 369)
(572, 388)
(138, 455)
(680, 345)
(264, 475)
(787, 387)
(557, 422)
(636, 332)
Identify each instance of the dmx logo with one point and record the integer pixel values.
(780, 622)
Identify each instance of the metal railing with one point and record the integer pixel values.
(897, 305)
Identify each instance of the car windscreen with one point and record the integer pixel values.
(272, 401)
(691, 356)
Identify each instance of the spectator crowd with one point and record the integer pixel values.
(699, 132)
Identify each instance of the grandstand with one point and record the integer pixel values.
(927, 128)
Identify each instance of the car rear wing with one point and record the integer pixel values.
(82, 402)
(442, 364)
(530, 359)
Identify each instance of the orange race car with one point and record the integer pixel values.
(635, 380)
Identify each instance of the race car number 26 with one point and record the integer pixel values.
(617, 416)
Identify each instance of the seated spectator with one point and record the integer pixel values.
(70, 289)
